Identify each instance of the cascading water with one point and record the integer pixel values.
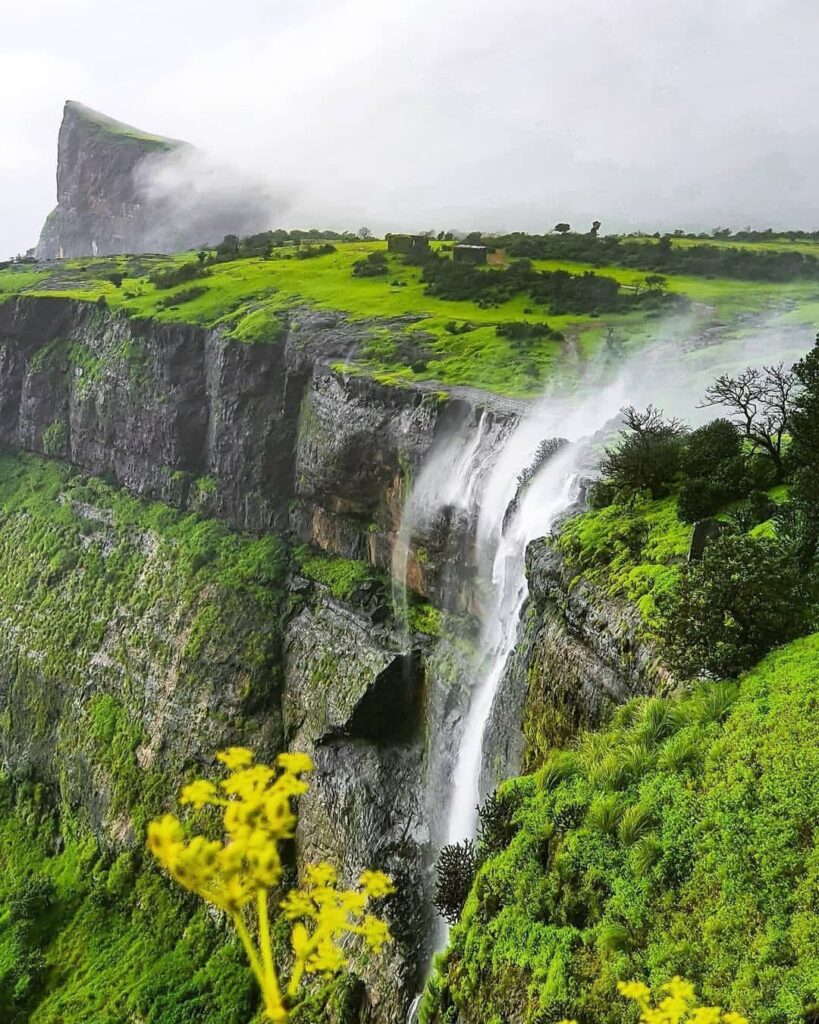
(510, 497)
(511, 511)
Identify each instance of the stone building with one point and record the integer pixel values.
(475, 254)
(409, 245)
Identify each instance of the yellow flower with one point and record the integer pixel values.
(295, 763)
(321, 875)
(163, 836)
(236, 757)
(198, 793)
(237, 872)
(376, 884)
(678, 1006)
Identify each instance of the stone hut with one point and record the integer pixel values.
(475, 254)
(409, 245)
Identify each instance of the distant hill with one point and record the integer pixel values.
(120, 190)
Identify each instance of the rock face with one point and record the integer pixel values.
(268, 438)
(265, 437)
(580, 653)
(121, 190)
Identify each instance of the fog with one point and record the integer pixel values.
(439, 113)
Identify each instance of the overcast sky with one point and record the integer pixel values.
(439, 113)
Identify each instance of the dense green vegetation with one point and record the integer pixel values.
(753, 581)
(681, 840)
(92, 935)
(101, 595)
(665, 256)
(250, 287)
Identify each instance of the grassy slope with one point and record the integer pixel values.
(245, 296)
(110, 940)
(681, 840)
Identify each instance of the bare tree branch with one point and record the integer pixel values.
(760, 403)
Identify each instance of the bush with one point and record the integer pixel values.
(374, 265)
(308, 252)
(186, 295)
(55, 440)
(709, 446)
(456, 868)
(727, 610)
(177, 275)
(699, 499)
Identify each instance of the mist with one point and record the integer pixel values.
(195, 200)
(428, 115)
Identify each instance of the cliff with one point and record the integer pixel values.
(137, 638)
(139, 634)
(119, 189)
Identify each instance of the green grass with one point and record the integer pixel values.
(702, 863)
(249, 299)
(126, 132)
(633, 551)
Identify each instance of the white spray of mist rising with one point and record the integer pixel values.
(478, 474)
(192, 198)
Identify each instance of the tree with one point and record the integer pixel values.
(595, 229)
(562, 228)
(760, 402)
(647, 456)
(364, 234)
(804, 420)
(201, 256)
(655, 282)
(456, 869)
(731, 607)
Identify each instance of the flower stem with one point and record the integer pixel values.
(267, 954)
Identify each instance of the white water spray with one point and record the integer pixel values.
(480, 473)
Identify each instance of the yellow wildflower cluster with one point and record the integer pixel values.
(257, 803)
(678, 1006)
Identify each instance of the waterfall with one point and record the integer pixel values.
(507, 495)
(516, 502)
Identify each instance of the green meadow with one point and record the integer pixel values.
(414, 334)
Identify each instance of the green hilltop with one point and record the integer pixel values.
(418, 335)
(99, 122)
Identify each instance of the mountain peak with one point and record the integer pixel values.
(96, 121)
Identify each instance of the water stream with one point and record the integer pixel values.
(508, 496)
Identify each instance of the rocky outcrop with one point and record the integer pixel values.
(264, 435)
(122, 190)
(355, 698)
(580, 653)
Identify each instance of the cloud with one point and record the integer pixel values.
(460, 113)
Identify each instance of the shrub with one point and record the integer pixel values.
(496, 827)
(709, 446)
(177, 275)
(373, 265)
(309, 252)
(456, 869)
(699, 499)
(728, 609)
(185, 295)
(55, 440)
